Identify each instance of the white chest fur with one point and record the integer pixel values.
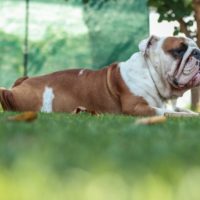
(137, 77)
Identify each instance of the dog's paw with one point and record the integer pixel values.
(181, 114)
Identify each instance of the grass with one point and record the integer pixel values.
(61, 156)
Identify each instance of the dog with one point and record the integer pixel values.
(163, 69)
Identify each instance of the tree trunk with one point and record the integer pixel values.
(26, 42)
(195, 98)
(196, 7)
(195, 94)
(183, 27)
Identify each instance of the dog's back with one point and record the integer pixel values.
(64, 91)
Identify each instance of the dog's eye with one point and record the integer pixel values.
(179, 52)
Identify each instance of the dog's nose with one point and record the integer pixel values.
(196, 53)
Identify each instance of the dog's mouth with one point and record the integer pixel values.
(187, 73)
(194, 70)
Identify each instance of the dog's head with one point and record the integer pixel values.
(177, 59)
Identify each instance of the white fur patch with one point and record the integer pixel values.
(160, 111)
(48, 97)
(81, 72)
(135, 74)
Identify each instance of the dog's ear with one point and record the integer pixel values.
(145, 44)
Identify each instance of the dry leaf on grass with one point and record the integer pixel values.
(151, 120)
(81, 109)
(25, 116)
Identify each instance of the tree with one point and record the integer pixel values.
(112, 28)
(187, 14)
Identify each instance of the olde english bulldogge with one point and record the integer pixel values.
(163, 69)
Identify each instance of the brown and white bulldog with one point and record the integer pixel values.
(163, 69)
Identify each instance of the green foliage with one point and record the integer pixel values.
(112, 36)
(176, 30)
(56, 51)
(176, 10)
(172, 10)
(62, 51)
(113, 29)
(48, 1)
(11, 58)
(62, 156)
(90, 2)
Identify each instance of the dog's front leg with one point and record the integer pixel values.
(177, 113)
(178, 109)
(136, 106)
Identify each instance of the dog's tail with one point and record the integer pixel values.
(7, 101)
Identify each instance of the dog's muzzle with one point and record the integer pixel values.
(187, 73)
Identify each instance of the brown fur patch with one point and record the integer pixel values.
(172, 43)
(19, 81)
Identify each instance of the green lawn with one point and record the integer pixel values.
(83, 157)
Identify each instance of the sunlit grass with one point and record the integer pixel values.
(36, 182)
(61, 156)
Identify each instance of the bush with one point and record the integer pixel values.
(56, 51)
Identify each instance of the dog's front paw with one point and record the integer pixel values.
(181, 114)
(177, 109)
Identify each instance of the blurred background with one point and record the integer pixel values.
(67, 34)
